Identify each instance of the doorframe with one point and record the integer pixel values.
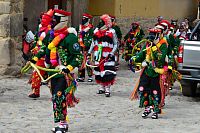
(46, 5)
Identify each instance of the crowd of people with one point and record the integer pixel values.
(56, 50)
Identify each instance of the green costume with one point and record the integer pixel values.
(149, 86)
(70, 56)
(69, 52)
(85, 37)
(157, 61)
(117, 31)
(173, 45)
(131, 39)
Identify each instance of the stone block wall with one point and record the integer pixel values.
(145, 23)
(125, 23)
(11, 30)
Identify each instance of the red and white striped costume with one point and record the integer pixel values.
(104, 43)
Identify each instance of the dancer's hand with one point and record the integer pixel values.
(65, 71)
(88, 56)
(132, 60)
(32, 61)
(111, 57)
(27, 63)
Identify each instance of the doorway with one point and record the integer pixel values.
(61, 4)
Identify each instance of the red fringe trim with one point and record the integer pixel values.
(105, 83)
(134, 93)
(71, 100)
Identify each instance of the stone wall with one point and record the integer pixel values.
(11, 26)
(125, 23)
(78, 8)
(145, 23)
(32, 11)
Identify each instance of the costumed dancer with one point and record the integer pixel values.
(159, 19)
(134, 36)
(65, 55)
(174, 24)
(152, 59)
(62, 53)
(85, 35)
(27, 42)
(44, 28)
(170, 75)
(119, 37)
(172, 54)
(104, 46)
(188, 26)
(165, 83)
(182, 32)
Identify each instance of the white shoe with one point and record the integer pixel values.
(80, 79)
(61, 128)
(107, 91)
(101, 90)
(90, 79)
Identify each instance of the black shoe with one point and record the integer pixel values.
(146, 113)
(33, 95)
(154, 116)
(44, 83)
(107, 94)
(60, 130)
(160, 111)
(90, 79)
(100, 92)
(116, 68)
(80, 79)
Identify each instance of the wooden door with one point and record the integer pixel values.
(51, 4)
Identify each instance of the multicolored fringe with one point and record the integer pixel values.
(71, 100)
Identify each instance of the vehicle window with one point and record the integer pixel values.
(196, 35)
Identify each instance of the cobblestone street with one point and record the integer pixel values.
(94, 113)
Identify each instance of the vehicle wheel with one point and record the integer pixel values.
(189, 88)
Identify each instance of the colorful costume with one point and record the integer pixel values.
(27, 41)
(152, 58)
(104, 46)
(116, 28)
(85, 35)
(174, 24)
(182, 32)
(172, 62)
(134, 36)
(159, 19)
(63, 53)
(119, 37)
(44, 28)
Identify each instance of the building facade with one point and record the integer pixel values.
(144, 11)
(143, 8)
(16, 13)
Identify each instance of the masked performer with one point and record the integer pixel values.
(104, 46)
(182, 32)
(63, 52)
(44, 28)
(134, 36)
(152, 59)
(119, 37)
(85, 35)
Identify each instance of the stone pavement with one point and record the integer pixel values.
(95, 113)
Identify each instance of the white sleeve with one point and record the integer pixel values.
(91, 47)
(115, 43)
